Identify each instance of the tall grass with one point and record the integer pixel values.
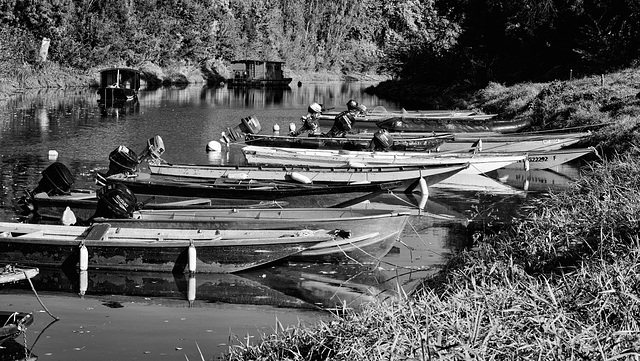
(562, 282)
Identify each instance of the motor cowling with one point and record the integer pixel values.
(115, 200)
(155, 149)
(382, 140)
(56, 180)
(248, 125)
(344, 121)
(122, 160)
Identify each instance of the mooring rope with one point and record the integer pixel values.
(38, 297)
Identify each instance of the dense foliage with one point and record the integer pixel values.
(434, 41)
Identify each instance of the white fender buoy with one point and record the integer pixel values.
(214, 146)
(525, 186)
(276, 128)
(351, 164)
(300, 178)
(84, 257)
(292, 127)
(479, 146)
(191, 290)
(423, 202)
(68, 217)
(237, 176)
(192, 258)
(53, 154)
(84, 283)
(424, 189)
(527, 166)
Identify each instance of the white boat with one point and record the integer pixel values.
(551, 158)
(479, 163)
(495, 142)
(309, 174)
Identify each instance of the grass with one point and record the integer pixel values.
(560, 281)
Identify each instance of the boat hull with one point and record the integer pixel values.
(491, 142)
(163, 250)
(13, 324)
(360, 141)
(478, 163)
(552, 158)
(431, 174)
(387, 225)
(479, 123)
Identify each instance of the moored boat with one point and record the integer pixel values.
(145, 249)
(13, 324)
(258, 73)
(380, 113)
(551, 158)
(475, 123)
(356, 141)
(309, 174)
(478, 162)
(118, 85)
(387, 224)
(11, 273)
(521, 142)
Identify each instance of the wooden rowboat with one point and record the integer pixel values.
(526, 142)
(479, 163)
(240, 188)
(144, 249)
(309, 174)
(380, 113)
(387, 224)
(478, 123)
(357, 141)
(11, 273)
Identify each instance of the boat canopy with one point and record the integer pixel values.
(125, 78)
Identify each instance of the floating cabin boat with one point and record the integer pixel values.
(257, 73)
(118, 85)
(158, 249)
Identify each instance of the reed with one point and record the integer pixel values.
(559, 283)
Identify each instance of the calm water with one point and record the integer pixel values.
(117, 316)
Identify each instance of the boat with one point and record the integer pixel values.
(309, 175)
(472, 123)
(521, 142)
(479, 163)
(225, 188)
(118, 85)
(257, 73)
(359, 223)
(144, 249)
(13, 324)
(11, 273)
(356, 141)
(380, 113)
(551, 158)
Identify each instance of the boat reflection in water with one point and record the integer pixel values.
(116, 110)
(304, 286)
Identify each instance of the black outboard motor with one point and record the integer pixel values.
(249, 125)
(56, 180)
(115, 200)
(382, 140)
(123, 160)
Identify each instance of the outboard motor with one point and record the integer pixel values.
(115, 200)
(249, 125)
(382, 140)
(122, 160)
(56, 180)
(155, 148)
(344, 121)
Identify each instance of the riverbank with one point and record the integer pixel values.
(559, 282)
